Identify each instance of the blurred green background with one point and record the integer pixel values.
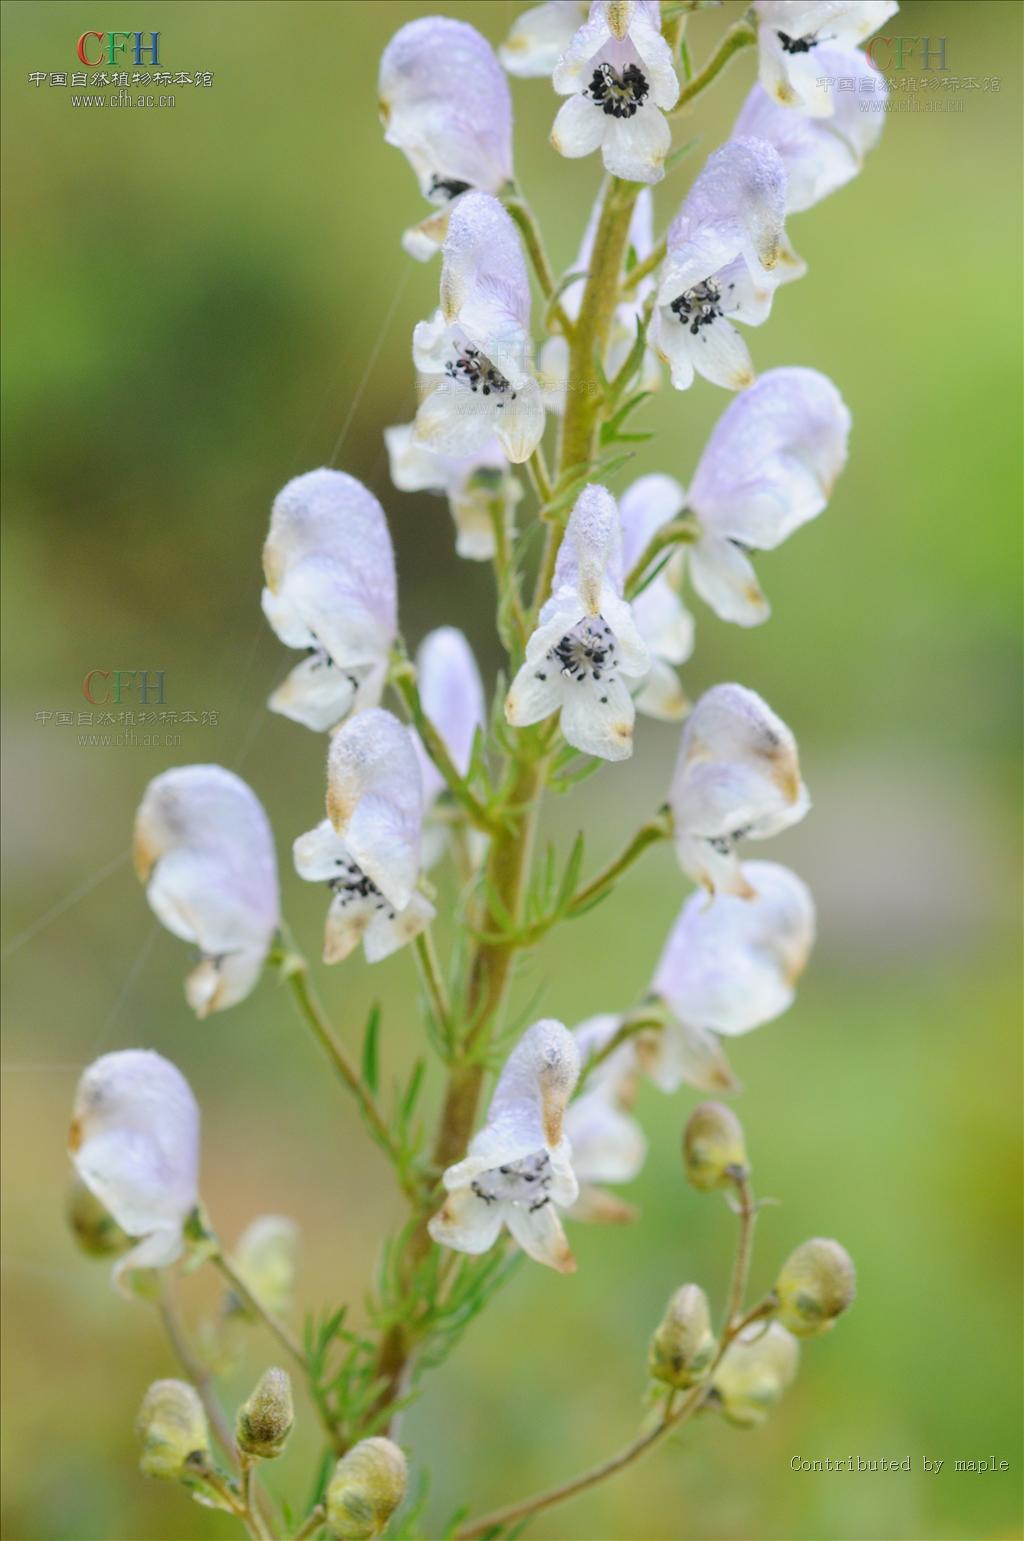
(202, 302)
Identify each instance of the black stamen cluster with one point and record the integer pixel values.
(617, 95)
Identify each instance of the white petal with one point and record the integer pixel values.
(732, 964)
(452, 697)
(431, 343)
(388, 931)
(673, 344)
(466, 1222)
(539, 1232)
(538, 38)
(534, 694)
(591, 549)
(772, 458)
(570, 73)
(579, 128)
(203, 842)
(425, 240)
(445, 102)
(484, 284)
(375, 800)
(317, 694)
(519, 423)
(608, 1146)
(662, 695)
(721, 356)
(724, 578)
(453, 420)
(553, 373)
(736, 205)
(535, 1085)
(656, 56)
(600, 725)
(644, 507)
(679, 1054)
(217, 983)
(635, 148)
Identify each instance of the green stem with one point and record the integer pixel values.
(638, 273)
(741, 1265)
(403, 677)
(253, 1305)
(430, 973)
(739, 36)
(524, 217)
(195, 1370)
(311, 1524)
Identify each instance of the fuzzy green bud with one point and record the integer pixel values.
(816, 1284)
(173, 1430)
(367, 1487)
(92, 1225)
(753, 1373)
(265, 1420)
(683, 1346)
(714, 1152)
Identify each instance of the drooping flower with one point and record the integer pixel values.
(724, 248)
(662, 619)
(608, 1144)
(821, 154)
(474, 355)
(757, 1367)
(479, 487)
(539, 37)
(554, 353)
(518, 1166)
(789, 34)
(619, 77)
(736, 777)
(726, 968)
(586, 645)
(367, 850)
(204, 848)
(444, 102)
(134, 1141)
(331, 589)
(768, 467)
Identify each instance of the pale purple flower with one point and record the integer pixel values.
(554, 353)
(452, 697)
(479, 487)
(821, 154)
(768, 467)
(789, 34)
(723, 254)
(620, 80)
(728, 966)
(519, 1165)
(539, 37)
(134, 1141)
(204, 848)
(367, 850)
(586, 645)
(737, 776)
(662, 619)
(608, 1144)
(474, 355)
(444, 102)
(330, 589)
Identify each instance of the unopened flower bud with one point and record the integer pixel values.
(172, 1427)
(367, 1486)
(816, 1284)
(265, 1420)
(93, 1226)
(683, 1346)
(714, 1153)
(754, 1372)
(266, 1257)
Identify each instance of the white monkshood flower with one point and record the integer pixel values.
(821, 154)
(554, 353)
(367, 850)
(540, 36)
(587, 644)
(518, 1166)
(618, 75)
(474, 356)
(608, 1145)
(444, 102)
(452, 696)
(724, 248)
(737, 776)
(134, 1141)
(768, 467)
(331, 589)
(203, 847)
(661, 617)
(727, 967)
(789, 34)
(479, 487)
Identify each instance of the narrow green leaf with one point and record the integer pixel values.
(571, 875)
(371, 1062)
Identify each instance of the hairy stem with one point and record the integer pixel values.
(739, 36)
(283, 1334)
(524, 217)
(403, 677)
(430, 973)
(678, 532)
(741, 1266)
